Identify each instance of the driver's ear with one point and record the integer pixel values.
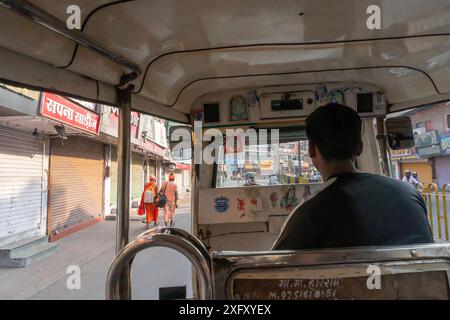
(360, 148)
(312, 150)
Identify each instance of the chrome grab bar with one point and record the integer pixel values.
(153, 238)
(184, 234)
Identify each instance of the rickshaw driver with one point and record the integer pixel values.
(352, 209)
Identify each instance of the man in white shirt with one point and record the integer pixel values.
(408, 178)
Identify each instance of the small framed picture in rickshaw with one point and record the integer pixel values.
(239, 108)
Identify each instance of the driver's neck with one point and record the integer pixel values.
(332, 168)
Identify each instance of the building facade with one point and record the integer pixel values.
(430, 156)
(150, 154)
(58, 163)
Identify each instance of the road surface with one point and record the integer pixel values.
(93, 249)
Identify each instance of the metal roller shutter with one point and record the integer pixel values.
(151, 167)
(137, 176)
(423, 169)
(76, 183)
(113, 175)
(21, 184)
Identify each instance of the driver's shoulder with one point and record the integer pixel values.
(317, 200)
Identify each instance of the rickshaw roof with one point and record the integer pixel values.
(186, 49)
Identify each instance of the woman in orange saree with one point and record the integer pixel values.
(146, 206)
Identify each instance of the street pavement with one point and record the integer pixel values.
(93, 249)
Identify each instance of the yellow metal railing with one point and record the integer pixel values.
(423, 191)
(434, 187)
(441, 217)
(444, 207)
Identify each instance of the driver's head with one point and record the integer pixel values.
(334, 133)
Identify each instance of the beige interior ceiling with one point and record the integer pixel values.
(193, 47)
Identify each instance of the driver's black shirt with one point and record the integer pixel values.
(357, 209)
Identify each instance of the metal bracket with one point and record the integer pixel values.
(126, 79)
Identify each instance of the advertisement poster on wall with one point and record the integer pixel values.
(445, 144)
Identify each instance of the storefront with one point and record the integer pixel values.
(76, 185)
(408, 159)
(146, 156)
(137, 178)
(23, 167)
(422, 167)
(23, 185)
(155, 155)
(183, 178)
(442, 162)
(112, 179)
(76, 168)
(428, 146)
(442, 165)
(151, 168)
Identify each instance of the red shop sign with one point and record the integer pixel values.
(67, 112)
(153, 148)
(181, 166)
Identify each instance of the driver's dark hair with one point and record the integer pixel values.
(336, 131)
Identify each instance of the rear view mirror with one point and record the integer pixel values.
(399, 133)
(180, 142)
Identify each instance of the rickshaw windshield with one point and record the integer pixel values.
(267, 165)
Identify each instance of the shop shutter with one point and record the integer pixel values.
(76, 182)
(21, 184)
(423, 169)
(151, 167)
(113, 187)
(137, 176)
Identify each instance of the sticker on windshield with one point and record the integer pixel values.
(221, 204)
(274, 199)
(289, 200)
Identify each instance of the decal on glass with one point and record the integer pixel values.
(221, 204)
(239, 109)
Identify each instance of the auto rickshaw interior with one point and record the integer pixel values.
(248, 65)
(248, 192)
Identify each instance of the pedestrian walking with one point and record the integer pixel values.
(169, 189)
(147, 205)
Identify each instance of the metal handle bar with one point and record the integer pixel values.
(153, 239)
(184, 234)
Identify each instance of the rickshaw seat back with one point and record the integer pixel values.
(370, 273)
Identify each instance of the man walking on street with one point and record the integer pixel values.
(169, 189)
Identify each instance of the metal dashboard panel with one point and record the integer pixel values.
(408, 272)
